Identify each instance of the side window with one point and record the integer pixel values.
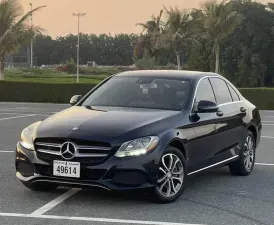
(204, 91)
(235, 96)
(221, 91)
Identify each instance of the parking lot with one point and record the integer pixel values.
(215, 197)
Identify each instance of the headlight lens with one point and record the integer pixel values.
(137, 147)
(27, 136)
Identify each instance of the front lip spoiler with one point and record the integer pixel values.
(40, 178)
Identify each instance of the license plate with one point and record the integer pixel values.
(66, 169)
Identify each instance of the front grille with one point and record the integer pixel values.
(49, 149)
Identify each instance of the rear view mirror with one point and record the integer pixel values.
(207, 106)
(75, 99)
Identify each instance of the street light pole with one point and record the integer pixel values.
(31, 41)
(78, 42)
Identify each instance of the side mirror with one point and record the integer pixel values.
(75, 99)
(207, 106)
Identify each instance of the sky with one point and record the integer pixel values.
(103, 16)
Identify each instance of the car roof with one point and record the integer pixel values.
(167, 73)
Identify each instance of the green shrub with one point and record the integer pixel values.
(28, 72)
(263, 98)
(146, 63)
(71, 67)
(99, 70)
(39, 92)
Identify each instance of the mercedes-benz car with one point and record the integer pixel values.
(142, 130)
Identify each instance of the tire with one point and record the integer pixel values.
(170, 182)
(244, 166)
(43, 186)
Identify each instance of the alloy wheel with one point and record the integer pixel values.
(249, 153)
(170, 175)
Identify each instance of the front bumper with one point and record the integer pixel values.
(114, 174)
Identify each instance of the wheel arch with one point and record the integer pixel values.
(253, 130)
(177, 143)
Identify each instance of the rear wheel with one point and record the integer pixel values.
(245, 164)
(171, 176)
(40, 186)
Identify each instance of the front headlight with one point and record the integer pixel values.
(27, 136)
(137, 147)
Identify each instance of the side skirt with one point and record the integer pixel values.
(213, 165)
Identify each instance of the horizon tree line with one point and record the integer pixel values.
(233, 38)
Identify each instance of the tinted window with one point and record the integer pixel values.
(140, 92)
(234, 95)
(204, 91)
(221, 91)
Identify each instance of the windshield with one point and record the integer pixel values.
(140, 92)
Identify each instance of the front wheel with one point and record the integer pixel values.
(245, 164)
(171, 176)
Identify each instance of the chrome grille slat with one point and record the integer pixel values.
(48, 151)
(84, 151)
(92, 148)
(92, 155)
(48, 144)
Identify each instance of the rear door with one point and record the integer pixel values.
(230, 107)
(236, 126)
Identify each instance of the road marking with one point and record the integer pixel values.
(9, 113)
(38, 114)
(267, 137)
(268, 124)
(265, 164)
(15, 117)
(102, 220)
(267, 121)
(6, 151)
(55, 202)
(268, 116)
(16, 108)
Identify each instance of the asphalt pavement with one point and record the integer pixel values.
(214, 197)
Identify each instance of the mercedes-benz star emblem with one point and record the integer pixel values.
(68, 150)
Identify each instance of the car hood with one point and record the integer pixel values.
(106, 124)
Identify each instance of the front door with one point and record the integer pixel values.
(209, 130)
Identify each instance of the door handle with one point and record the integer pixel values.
(243, 109)
(219, 113)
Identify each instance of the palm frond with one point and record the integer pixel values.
(13, 30)
(12, 10)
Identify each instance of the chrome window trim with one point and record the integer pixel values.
(214, 76)
(229, 103)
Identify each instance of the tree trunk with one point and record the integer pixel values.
(178, 61)
(2, 66)
(217, 60)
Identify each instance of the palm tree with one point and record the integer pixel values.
(146, 43)
(13, 30)
(179, 32)
(220, 21)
